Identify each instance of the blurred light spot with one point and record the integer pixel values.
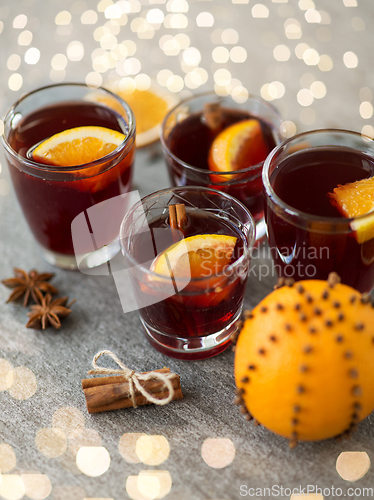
(37, 486)
(358, 24)
(205, 20)
(192, 56)
(152, 450)
(127, 445)
(306, 4)
(300, 50)
(5, 367)
(325, 63)
(311, 57)
(239, 94)
(318, 89)
(366, 94)
(132, 66)
(69, 420)
(309, 496)
(368, 130)
(142, 81)
(222, 90)
(350, 3)
(288, 129)
(108, 41)
(93, 460)
(222, 76)
(113, 12)
(59, 61)
(325, 17)
(4, 191)
(183, 40)
(260, 10)
(78, 439)
(177, 6)
(230, 36)
(75, 51)
(20, 21)
(350, 59)
(51, 442)
(89, 17)
(142, 28)
(196, 78)
(25, 38)
(100, 32)
(1, 26)
(11, 487)
(162, 78)
(238, 54)
(276, 90)
(130, 47)
(307, 79)
(324, 34)
(280, 1)
(240, 1)
(175, 83)
(176, 21)
(7, 458)
(57, 75)
(312, 16)
(220, 55)
(307, 116)
(170, 45)
(127, 85)
(281, 53)
(305, 97)
(113, 27)
(265, 94)
(32, 55)
(24, 383)
(366, 110)
(63, 18)
(68, 492)
(13, 62)
(218, 452)
(149, 485)
(292, 29)
(155, 16)
(352, 465)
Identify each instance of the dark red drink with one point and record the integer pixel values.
(326, 242)
(51, 205)
(201, 308)
(190, 141)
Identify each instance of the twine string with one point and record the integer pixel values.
(134, 378)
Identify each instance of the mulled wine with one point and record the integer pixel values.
(51, 196)
(303, 181)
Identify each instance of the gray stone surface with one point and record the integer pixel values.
(60, 359)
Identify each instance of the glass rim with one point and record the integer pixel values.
(230, 267)
(292, 211)
(48, 168)
(202, 170)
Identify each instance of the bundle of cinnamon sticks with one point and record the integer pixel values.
(113, 393)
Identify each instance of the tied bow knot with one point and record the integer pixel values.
(134, 378)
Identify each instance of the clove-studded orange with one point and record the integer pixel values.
(303, 360)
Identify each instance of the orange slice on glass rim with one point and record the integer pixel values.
(354, 200)
(77, 146)
(199, 256)
(238, 146)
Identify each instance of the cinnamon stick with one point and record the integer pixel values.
(177, 220)
(181, 216)
(113, 393)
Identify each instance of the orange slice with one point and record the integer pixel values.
(238, 146)
(77, 146)
(356, 199)
(199, 256)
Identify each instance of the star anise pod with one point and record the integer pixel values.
(27, 284)
(48, 312)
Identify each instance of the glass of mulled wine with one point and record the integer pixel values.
(189, 283)
(308, 234)
(67, 207)
(216, 142)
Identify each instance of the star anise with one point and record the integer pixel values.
(48, 312)
(27, 284)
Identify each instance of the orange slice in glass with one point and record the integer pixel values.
(238, 146)
(353, 200)
(199, 256)
(77, 146)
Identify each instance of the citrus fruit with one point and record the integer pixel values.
(238, 146)
(77, 146)
(303, 360)
(356, 199)
(199, 256)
